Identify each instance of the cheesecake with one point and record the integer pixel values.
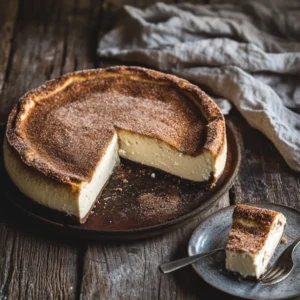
(64, 139)
(253, 239)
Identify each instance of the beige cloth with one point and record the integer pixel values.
(248, 55)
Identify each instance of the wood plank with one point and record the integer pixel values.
(263, 176)
(34, 266)
(130, 270)
(8, 12)
(49, 40)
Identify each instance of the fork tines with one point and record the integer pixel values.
(275, 274)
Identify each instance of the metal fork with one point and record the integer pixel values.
(282, 267)
(180, 263)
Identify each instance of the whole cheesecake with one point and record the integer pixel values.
(64, 138)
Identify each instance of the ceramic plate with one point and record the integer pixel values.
(213, 232)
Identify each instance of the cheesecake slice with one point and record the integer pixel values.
(253, 239)
(64, 139)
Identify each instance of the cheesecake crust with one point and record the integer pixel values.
(260, 216)
(188, 120)
(250, 228)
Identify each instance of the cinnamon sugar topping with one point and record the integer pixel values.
(64, 127)
(250, 228)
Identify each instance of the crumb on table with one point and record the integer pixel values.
(283, 240)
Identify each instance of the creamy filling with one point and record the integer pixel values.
(240, 262)
(39, 188)
(104, 169)
(262, 260)
(147, 151)
(254, 265)
(154, 153)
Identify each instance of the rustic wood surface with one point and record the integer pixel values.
(40, 40)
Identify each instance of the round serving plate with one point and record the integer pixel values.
(213, 233)
(138, 201)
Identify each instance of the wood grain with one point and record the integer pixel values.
(49, 40)
(130, 270)
(264, 175)
(8, 12)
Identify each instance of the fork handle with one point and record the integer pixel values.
(180, 263)
(290, 249)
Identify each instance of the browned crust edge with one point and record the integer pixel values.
(259, 215)
(216, 132)
(256, 236)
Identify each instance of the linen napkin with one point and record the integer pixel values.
(246, 54)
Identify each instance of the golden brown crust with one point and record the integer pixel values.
(258, 215)
(22, 131)
(250, 228)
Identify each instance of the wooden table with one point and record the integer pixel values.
(40, 40)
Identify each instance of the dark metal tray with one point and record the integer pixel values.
(138, 201)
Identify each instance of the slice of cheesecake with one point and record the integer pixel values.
(64, 139)
(253, 239)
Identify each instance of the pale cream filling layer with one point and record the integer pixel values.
(38, 187)
(154, 153)
(90, 190)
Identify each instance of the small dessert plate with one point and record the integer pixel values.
(213, 233)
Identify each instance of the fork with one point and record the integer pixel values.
(180, 263)
(283, 266)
